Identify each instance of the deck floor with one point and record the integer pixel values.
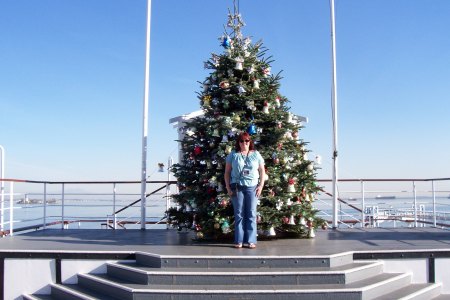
(172, 242)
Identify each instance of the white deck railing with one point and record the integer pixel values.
(30, 205)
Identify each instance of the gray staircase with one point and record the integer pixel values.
(331, 277)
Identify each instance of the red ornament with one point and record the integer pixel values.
(285, 220)
(224, 203)
(197, 150)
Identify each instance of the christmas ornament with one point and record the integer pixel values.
(251, 69)
(276, 160)
(224, 138)
(271, 231)
(226, 42)
(224, 203)
(279, 204)
(241, 90)
(302, 221)
(216, 133)
(285, 220)
(239, 61)
(256, 84)
(200, 235)
(266, 107)
(197, 150)
(311, 233)
(292, 220)
(251, 129)
(291, 186)
(225, 227)
(247, 42)
(250, 104)
(288, 135)
(224, 84)
(266, 72)
(228, 149)
(277, 102)
(190, 132)
(258, 219)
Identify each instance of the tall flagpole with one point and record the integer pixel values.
(145, 120)
(334, 116)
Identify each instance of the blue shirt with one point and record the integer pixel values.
(245, 169)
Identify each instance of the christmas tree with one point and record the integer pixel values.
(241, 94)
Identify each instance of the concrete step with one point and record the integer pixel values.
(37, 297)
(242, 261)
(442, 297)
(239, 276)
(370, 288)
(76, 292)
(423, 291)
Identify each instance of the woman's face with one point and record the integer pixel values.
(244, 143)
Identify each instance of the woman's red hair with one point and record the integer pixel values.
(244, 136)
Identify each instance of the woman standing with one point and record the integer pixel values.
(244, 179)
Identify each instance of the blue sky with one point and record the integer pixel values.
(72, 72)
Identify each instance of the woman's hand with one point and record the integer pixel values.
(259, 190)
(229, 191)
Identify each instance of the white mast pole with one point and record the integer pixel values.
(2, 185)
(334, 115)
(145, 120)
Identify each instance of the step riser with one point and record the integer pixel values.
(250, 296)
(364, 273)
(241, 262)
(242, 279)
(208, 279)
(107, 289)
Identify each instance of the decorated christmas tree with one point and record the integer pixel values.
(241, 94)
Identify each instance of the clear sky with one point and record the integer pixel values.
(72, 81)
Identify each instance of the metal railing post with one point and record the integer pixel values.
(114, 208)
(169, 166)
(45, 207)
(11, 208)
(434, 203)
(415, 203)
(363, 216)
(62, 207)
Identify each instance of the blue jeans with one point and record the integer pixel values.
(244, 205)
